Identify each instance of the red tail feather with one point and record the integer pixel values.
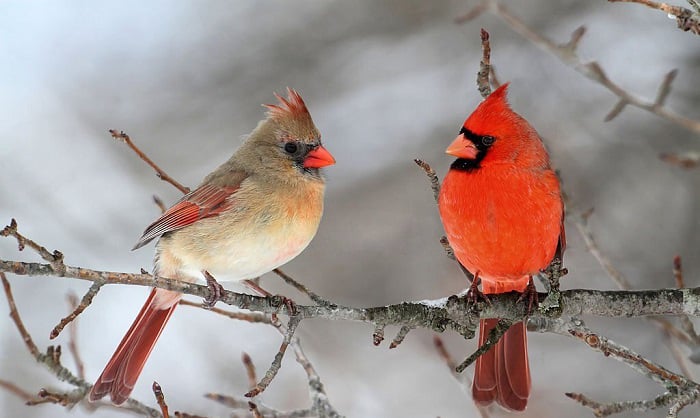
(503, 373)
(122, 371)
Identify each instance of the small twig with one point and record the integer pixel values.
(160, 398)
(678, 356)
(687, 160)
(254, 410)
(159, 202)
(55, 258)
(581, 222)
(277, 362)
(482, 77)
(403, 332)
(687, 19)
(253, 317)
(303, 289)
(73, 338)
(250, 370)
(434, 180)
(604, 410)
(493, 337)
(18, 391)
(464, 379)
(495, 82)
(378, 334)
(681, 390)
(14, 314)
(591, 70)
(321, 406)
(447, 247)
(78, 308)
(665, 87)
(51, 361)
(122, 136)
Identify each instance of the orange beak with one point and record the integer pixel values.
(319, 157)
(462, 148)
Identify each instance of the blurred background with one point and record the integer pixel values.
(386, 82)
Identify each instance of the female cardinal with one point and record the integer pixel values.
(502, 210)
(255, 212)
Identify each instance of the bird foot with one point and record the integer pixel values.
(215, 291)
(532, 298)
(287, 302)
(277, 300)
(474, 295)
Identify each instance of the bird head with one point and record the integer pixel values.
(287, 141)
(493, 133)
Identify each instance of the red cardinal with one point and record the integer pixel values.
(254, 213)
(502, 210)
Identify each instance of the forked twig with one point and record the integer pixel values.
(122, 136)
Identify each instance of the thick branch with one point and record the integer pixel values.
(447, 313)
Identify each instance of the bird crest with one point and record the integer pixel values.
(293, 107)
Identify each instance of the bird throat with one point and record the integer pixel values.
(468, 165)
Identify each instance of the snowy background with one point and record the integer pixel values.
(386, 81)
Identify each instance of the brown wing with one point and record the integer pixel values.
(204, 202)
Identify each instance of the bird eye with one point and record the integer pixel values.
(487, 140)
(290, 147)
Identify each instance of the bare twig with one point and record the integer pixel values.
(55, 258)
(434, 180)
(52, 361)
(122, 136)
(160, 398)
(254, 410)
(159, 202)
(592, 70)
(277, 362)
(493, 337)
(253, 317)
(403, 332)
(250, 370)
(687, 19)
(73, 338)
(581, 222)
(321, 406)
(378, 334)
(464, 378)
(482, 76)
(687, 160)
(14, 314)
(604, 410)
(303, 289)
(679, 390)
(18, 391)
(78, 308)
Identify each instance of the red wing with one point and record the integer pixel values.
(204, 202)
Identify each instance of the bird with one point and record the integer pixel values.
(254, 213)
(501, 207)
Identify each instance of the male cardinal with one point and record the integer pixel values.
(502, 210)
(254, 213)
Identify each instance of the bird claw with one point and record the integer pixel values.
(287, 302)
(474, 295)
(530, 293)
(216, 290)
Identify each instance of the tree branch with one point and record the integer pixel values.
(568, 55)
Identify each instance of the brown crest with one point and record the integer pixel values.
(291, 107)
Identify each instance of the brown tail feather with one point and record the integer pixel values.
(502, 374)
(122, 371)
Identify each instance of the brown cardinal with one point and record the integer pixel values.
(502, 210)
(254, 213)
